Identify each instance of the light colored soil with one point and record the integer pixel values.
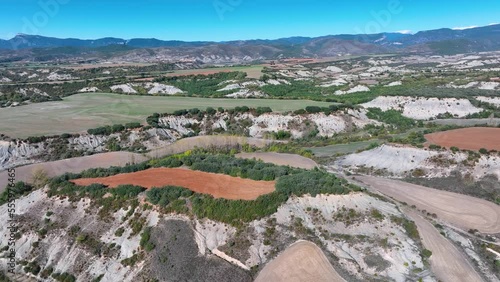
(74, 165)
(473, 138)
(447, 262)
(190, 143)
(281, 159)
(217, 185)
(303, 261)
(459, 210)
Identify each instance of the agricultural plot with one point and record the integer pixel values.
(254, 71)
(446, 261)
(302, 261)
(459, 210)
(473, 138)
(341, 149)
(217, 185)
(74, 165)
(80, 112)
(281, 159)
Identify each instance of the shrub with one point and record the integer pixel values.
(426, 253)
(262, 110)
(211, 111)
(313, 109)
(282, 135)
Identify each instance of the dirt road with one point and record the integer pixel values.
(447, 262)
(303, 261)
(281, 159)
(459, 210)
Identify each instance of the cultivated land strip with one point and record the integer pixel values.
(473, 138)
(281, 159)
(190, 143)
(105, 160)
(302, 261)
(79, 112)
(74, 165)
(447, 262)
(459, 210)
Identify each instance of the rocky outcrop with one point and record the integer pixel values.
(19, 153)
(260, 125)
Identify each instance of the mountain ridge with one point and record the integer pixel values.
(443, 41)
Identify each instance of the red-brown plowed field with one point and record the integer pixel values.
(217, 185)
(473, 138)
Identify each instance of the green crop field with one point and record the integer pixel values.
(80, 112)
(342, 149)
(253, 71)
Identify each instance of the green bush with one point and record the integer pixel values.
(20, 189)
(392, 117)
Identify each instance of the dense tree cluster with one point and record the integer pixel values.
(106, 130)
(392, 117)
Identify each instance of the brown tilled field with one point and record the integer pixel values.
(217, 185)
(473, 138)
(302, 261)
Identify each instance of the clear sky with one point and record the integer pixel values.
(220, 20)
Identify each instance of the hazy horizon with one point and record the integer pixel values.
(227, 20)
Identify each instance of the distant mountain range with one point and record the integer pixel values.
(439, 41)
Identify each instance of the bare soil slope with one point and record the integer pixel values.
(473, 138)
(460, 210)
(281, 159)
(217, 185)
(301, 262)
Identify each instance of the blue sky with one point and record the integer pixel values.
(220, 20)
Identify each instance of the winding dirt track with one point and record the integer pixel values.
(217, 185)
(281, 159)
(447, 262)
(459, 210)
(303, 261)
